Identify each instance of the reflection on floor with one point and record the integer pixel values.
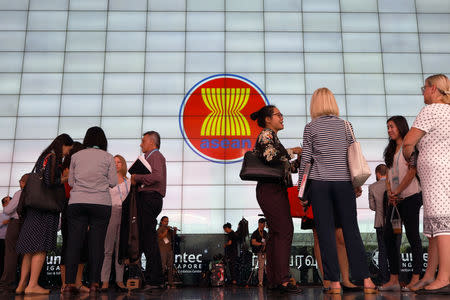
(231, 293)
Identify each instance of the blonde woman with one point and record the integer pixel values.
(431, 133)
(118, 195)
(325, 141)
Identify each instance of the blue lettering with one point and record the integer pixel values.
(246, 144)
(214, 144)
(224, 143)
(204, 144)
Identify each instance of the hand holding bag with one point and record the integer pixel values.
(359, 169)
(254, 169)
(38, 195)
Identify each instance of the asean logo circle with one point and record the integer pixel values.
(215, 119)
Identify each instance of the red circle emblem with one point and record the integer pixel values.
(215, 117)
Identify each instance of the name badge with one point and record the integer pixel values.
(166, 240)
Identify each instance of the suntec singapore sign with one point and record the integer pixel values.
(215, 117)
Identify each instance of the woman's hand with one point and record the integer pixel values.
(65, 176)
(297, 150)
(393, 198)
(358, 191)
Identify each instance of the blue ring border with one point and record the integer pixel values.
(189, 92)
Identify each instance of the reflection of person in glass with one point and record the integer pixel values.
(165, 242)
(231, 252)
(258, 240)
(273, 198)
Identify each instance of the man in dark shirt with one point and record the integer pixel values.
(258, 241)
(151, 191)
(231, 251)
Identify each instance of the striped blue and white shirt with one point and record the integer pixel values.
(325, 140)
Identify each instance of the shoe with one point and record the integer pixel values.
(290, 289)
(70, 290)
(371, 290)
(406, 289)
(120, 289)
(420, 285)
(441, 291)
(391, 288)
(332, 291)
(94, 289)
(351, 289)
(150, 287)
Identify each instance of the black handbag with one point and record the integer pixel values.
(38, 195)
(254, 169)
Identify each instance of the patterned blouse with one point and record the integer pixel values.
(270, 149)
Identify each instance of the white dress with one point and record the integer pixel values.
(433, 167)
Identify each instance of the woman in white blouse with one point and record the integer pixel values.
(118, 195)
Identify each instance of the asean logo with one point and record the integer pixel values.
(215, 117)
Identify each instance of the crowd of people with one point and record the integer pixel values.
(415, 173)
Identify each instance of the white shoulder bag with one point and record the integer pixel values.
(359, 169)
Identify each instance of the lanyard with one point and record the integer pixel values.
(150, 153)
(126, 188)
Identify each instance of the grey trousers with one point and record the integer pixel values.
(112, 246)
(167, 264)
(261, 266)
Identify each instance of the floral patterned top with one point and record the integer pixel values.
(271, 151)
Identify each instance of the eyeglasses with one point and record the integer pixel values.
(278, 115)
(423, 89)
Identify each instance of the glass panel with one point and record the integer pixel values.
(127, 21)
(435, 43)
(47, 20)
(427, 22)
(248, 5)
(364, 84)
(293, 127)
(36, 127)
(162, 105)
(202, 21)
(278, 21)
(436, 63)
(165, 62)
(323, 5)
(201, 221)
(285, 83)
(289, 105)
(369, 127)
(13, 20)
(322, 42)
(166, 126)
(284, 62)
(41, 83)
(87, 20)
(166, 21)
(45, 41)
(244, 41)
(165, 41)
(323, 62)
(81, 105)
(8, 105)
(405, 105)
(240, 197)
(43, 61)
(84, 62)
(172, 200)
(173, 168)
(27, 151)
(396, 6)
(240, 21)
(241, 62)
(126, 41)
(123, 83)
(363, 62)
(85, 41)
(401, 63)
(6, 151)
(205, 5)
(76, 126)
(88, 5)
(366, 105)
(354, 22)
(173, 151)
(164, 5)
(8, 125)
(87, 83)
(12, 41)
(128, 148)
(9, 83)
(398, 22)
(432, 6)
(128, 4)
(280, 5)
(360, 6)
(159, 83)
(18, 170)
(49, 4)
(283, 41)
(39, 105)
(335, 82)
(11, 61)
(122, 127)
(399, 42)
(205, 62)
(403, 83)
(321, 22)
(204, 41)
(14, 5)
(122, 105)
(361, 42)
(212, 174)
(124, 62)
(192, 194)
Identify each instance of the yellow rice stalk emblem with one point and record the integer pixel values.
(225, 118)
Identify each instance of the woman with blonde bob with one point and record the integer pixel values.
(332, 196)
(430, 132)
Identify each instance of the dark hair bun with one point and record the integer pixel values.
(254, 116)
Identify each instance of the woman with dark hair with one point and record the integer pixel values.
(92, 173)
(404, 192)
(273, 199)
(38, 233)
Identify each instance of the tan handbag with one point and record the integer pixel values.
(359, 169)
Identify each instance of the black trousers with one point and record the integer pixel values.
(274, 202)
(330, 199)
(149, 205)
(383, 269)
(11, 256)
(2, 255)
(79, 217)
(232, 262)
(409, 209)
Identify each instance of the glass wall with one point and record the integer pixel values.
(125, 65)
